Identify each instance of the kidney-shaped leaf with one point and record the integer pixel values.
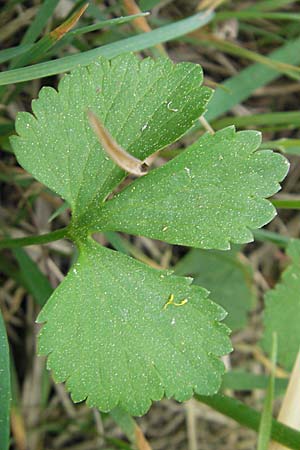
(125, 334)
(210, 195)
(144, 104)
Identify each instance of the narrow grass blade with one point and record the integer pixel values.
(13, 52)
(33, 279)
(269, 236)
(241, 86)
(233, 49)
(69, 37)
(289, 146)
(45, 12)
(135, 43)
(271, 37)
(59, 211)
(16, 418)
(291, 119)
(265, 425)
(269, 5)
(288, 203)
(5, 390)
(105, 23)
(48, 41)
(254, 14)
(117, 242)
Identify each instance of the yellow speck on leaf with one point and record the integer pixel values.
(171, 302)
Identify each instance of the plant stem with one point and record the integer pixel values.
(34, 240)
(250, 418)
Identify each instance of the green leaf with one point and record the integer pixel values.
(132, 99)
(228, 279)
(282, 311)
(119, 332)
(210, 195)
(110, 333)
(5, 394)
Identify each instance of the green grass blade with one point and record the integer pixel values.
(290, 119)
(49, 40)
(105, 23)
(265, 426)
(13, 52)
(271, 37)
(269, 5)
(117, 242)
(58, 211)
(135, 43)
(241, 86)
(54, 46)
(236, 50)
(269, 236)
(286, 203)
(252, 14)
(45, 12)
(33, 279)
(289, 146)
(34, 50)
(5, 391)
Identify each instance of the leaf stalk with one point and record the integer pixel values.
(35, 240)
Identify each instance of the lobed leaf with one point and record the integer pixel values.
(228, 279)
(119, 332)
(136, 102)
(208, 196)
(111, 334)
(282, 311)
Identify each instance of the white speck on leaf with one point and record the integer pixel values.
(170, 107)
(188, 171)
